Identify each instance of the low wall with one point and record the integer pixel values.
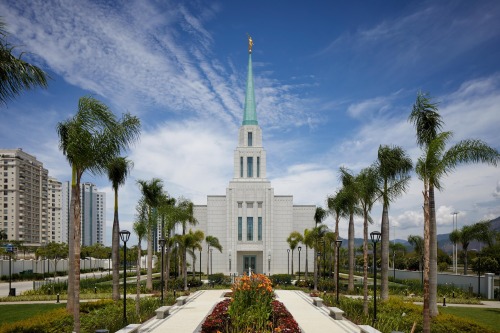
(465, 282)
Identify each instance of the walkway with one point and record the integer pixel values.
(189, 317)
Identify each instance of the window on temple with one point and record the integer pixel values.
(249, 228)
(241, 167)
(258, 166)
(240, 228)
(249, 167)
(250, 139)
(259, 229)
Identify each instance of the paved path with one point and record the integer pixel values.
(310, 317)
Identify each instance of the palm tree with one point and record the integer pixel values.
(118, 170)
(339, 207)
(308, 242)
(293, 240)
(478, 231)
(192, 242)
(152, 192)
(168, 213)
(393, 167)
(211, 241)
(3, 235)
(16, 74)
(187, 217)
(418, 247)
(434, 163)
(89, 140)
(367, 187)
(349, 190)
(140, 229)
(317, 234)
(319, 215)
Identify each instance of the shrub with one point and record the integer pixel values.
(281, 279)
(219, 278)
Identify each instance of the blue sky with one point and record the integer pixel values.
(333, 81)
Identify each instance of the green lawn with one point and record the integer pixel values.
(10, 313)
(488, 317)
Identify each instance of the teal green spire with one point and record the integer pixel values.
(250, 115)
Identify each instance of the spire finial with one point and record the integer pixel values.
(250, 43)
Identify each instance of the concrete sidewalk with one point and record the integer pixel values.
(310, 317)
(189, 317)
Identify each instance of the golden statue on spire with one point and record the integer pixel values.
(250, 43)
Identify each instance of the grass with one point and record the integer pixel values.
(487, 316)
(10, 313)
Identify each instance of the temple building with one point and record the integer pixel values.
(250, 221)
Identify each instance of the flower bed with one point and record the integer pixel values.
(252, 308)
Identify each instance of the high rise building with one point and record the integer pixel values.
(93, 213)
(250, 221)
(24, 180)
(54, 202)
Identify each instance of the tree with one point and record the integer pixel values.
(16, 75)
(3, 235)
(192, 242)
(339, 207)
(317, 234)
(186, 217)
(118, 169)
(393, 167)
(152, 192)
(211, 241)
(367, 188)
(417, 242)
(478, 231)
(319, 215)
(89, 140)
(140, 229)
(293, 240)
(308, 242)
(168, 214)
(435, 163)
(349, 190)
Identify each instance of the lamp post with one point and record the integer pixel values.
(162, 245)
(211, 261)
(269, 264)
(338, 243)
(375, 236)
(288, 261)
(229, 261)
(393, 266)
(200, 266)
(300, 249)
(319, 267)
(324, 259)
(124, 235)
(10, 250)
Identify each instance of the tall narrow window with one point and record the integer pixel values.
(240, 228)
(259, 229)
(249, 228)
(250, 139)
(241, 167)
(249, 167)
(258, 167)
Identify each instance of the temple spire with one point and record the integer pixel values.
(250, 114)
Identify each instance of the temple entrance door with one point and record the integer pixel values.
(249, 262)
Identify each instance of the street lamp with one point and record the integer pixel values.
(200, 266)
(124, 235)
(324, 259)
(300, 249)
(394, 266)
(211, 261)
(375, 236)
(10, 250)
(269, 263)
(319, 269)
(288, 261)
(162, 245)
(479, 275)
(338, 243)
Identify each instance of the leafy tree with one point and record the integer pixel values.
(435, 163)
(152, 192)
(339, 207)
(89, 140)
(16, 75)
(317, 234)
(192, 241)
(418, 247)
(478, 231)
(293, 240)
(118, 169)
(393, 167)
(186, 217)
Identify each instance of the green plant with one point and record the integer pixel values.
(281, 279)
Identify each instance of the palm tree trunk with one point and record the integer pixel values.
(138, 289)
(306, 270)
(293, 273)
(77, 248)
(167, 267)
(465, 260)
(384, 285)
(432, 253)
(350, 286)
(149, 274)
(315, 269)
(335, 250)
(427, 232)
(115, 245)
(208, 260)
(365, 264)
(71, 253)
